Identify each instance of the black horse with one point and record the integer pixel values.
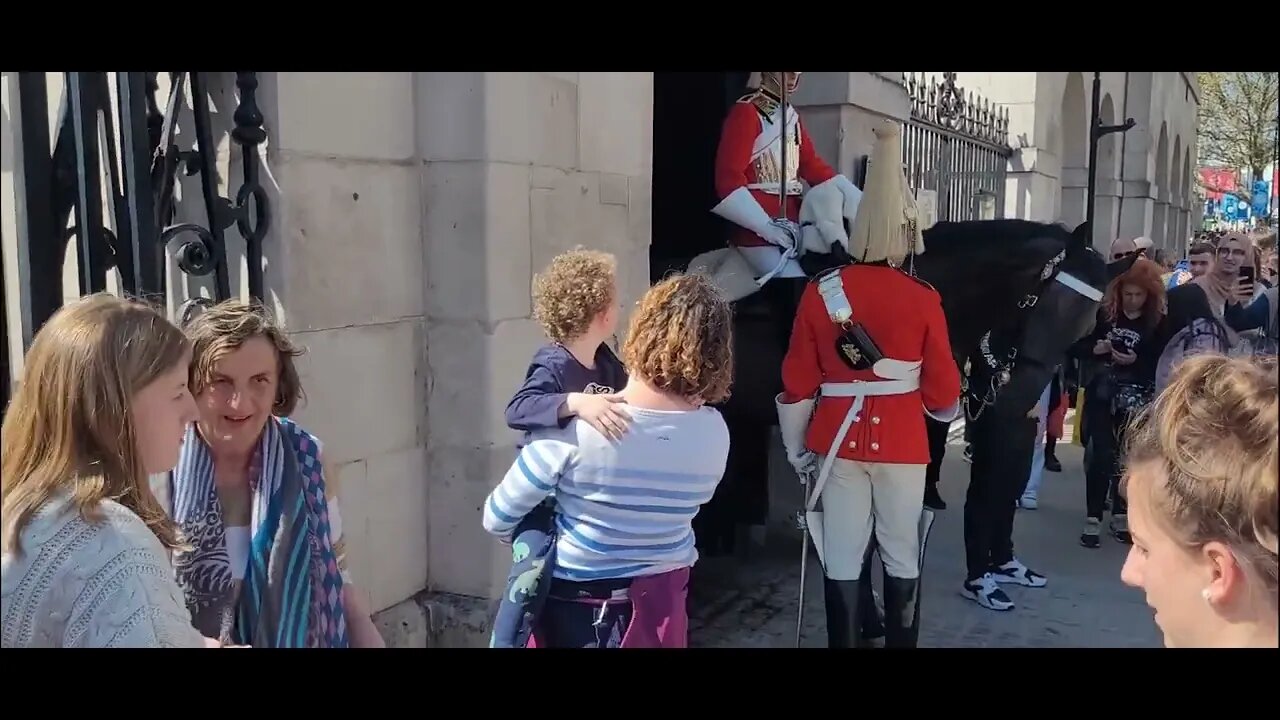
(1036, 283)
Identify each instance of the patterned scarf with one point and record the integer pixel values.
(291, 595)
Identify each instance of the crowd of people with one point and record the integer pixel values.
(1151, 320)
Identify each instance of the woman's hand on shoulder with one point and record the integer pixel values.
(602, 412)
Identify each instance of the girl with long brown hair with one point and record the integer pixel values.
(103, 403)
(1124, 350)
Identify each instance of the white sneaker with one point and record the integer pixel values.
(1028, 502)
(1016, 573)
(986, 593)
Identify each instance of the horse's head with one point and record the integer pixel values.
(984, 270)
(1059, 310)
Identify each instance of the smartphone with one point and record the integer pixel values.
(1246, 274)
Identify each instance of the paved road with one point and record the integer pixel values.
(751, 602)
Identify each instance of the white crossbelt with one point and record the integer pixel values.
(859, 390)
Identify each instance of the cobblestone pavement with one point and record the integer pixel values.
(751, 601)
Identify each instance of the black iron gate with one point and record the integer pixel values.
(956, 146)
(132, 170)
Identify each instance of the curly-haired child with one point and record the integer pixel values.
(576, 374)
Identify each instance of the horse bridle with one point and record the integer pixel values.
(1002, 369)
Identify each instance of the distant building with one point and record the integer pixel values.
(1144, 180)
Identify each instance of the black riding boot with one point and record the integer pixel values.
(870, 623)
(841, 599)
(901, 612)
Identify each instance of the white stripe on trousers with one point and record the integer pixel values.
(1037, 455)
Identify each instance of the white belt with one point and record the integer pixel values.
(793, 187)
(859, 390)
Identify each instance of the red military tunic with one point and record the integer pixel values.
(904, 318)
(749, 156)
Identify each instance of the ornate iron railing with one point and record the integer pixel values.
(63, 181)
(956, 144)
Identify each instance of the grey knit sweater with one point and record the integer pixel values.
(102, 584)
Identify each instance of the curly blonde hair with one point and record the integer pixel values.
(1208, 444)
(681, 339)
(573, 291)
(223, 328)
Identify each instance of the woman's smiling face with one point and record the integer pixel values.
(241, 393)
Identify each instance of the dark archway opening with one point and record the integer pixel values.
(688, 111)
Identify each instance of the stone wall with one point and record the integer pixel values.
(841, 108)
(349, 226)
(516, 167)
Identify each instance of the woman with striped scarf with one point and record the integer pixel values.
(267, 566)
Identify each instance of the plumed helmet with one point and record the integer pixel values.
(887, 226)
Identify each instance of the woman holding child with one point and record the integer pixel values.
(623, 542)
(266, 566)
(574, 375)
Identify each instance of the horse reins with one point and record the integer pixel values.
(1002, 372)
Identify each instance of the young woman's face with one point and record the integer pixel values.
(241, 393)
(161, 412)
(1133, 297)
(1172, 575)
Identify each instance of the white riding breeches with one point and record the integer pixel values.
(862, 497)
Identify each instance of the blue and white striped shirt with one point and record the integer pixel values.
(624, 508)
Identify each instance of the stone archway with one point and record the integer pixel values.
(1107, 202)
(1074, 152)
(1160, 181)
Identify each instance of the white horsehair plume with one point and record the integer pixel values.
(887, 226)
